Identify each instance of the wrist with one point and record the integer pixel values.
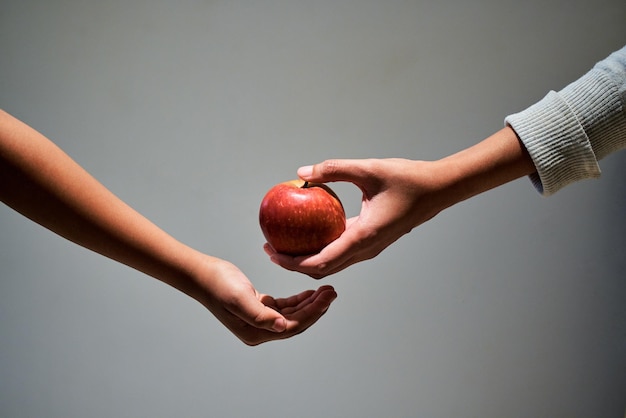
(178, 266)
(449, 183)
(492, 162)
(194, 273)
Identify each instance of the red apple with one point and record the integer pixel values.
(301, 218)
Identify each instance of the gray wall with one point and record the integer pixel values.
(507, 305)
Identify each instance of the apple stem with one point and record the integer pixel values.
(305, 185)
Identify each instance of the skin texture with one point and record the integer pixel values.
(400, 194)
(44, 184)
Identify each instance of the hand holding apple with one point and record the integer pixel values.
(301, 218)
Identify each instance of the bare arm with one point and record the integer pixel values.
(44, 184)
(557, 141)
(400, 194)
(492, 162)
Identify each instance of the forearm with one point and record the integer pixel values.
(44, 184)
(496, 160)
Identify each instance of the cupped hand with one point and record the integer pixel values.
(397, 196)
(253, 317)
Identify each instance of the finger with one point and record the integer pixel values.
(298, 302)
(350, 221)
(334, 257)
(314, 266)
(308, 313)
(336, 170)
(253, 312)
(336, 269)
(295, 300)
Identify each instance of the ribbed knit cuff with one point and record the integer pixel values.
(556, 143)
(596, 101)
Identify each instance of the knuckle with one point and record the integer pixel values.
(330, 167)
(321, 270)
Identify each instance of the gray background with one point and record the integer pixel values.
(507, 305)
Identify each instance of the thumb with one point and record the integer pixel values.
(334, 170)
(274, 322)
(263, 317)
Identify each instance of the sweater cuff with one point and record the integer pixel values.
(556, 142)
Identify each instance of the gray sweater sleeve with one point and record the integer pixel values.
(568, 132)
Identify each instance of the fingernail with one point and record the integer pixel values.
(305, 171)
(280, 325)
